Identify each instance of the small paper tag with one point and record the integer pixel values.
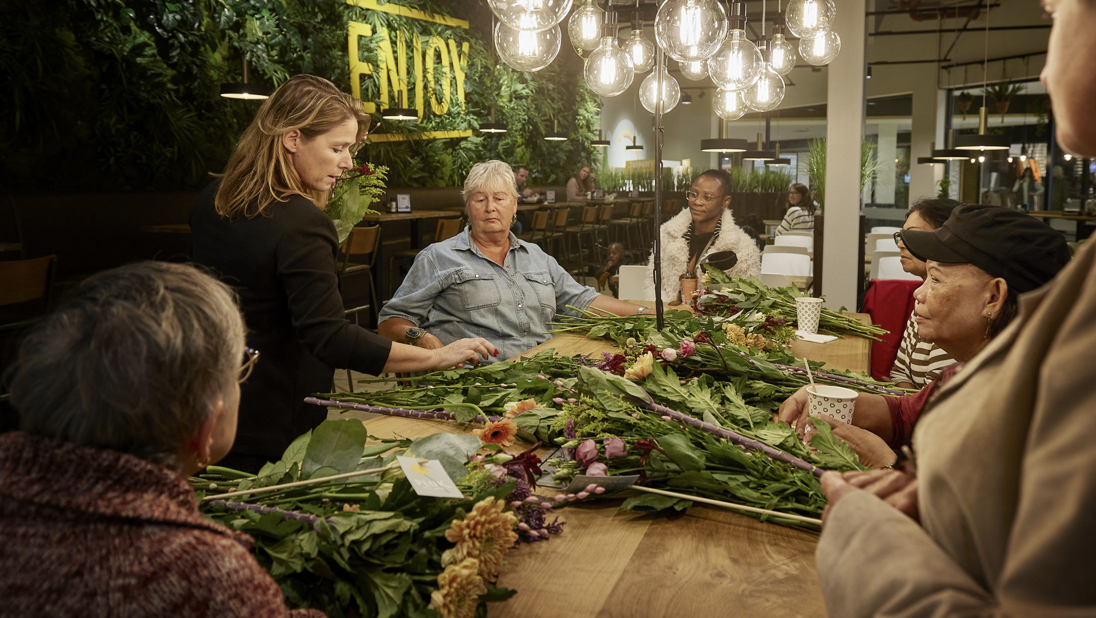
(429, 479)
(612, 484)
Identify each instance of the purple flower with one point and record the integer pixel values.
(669, 354)
(586, 453)
(687, 348)
(597, 469)
(615, 447)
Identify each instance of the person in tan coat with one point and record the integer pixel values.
(994, 516)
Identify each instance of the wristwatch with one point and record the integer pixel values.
(412, 335)
(641, 310)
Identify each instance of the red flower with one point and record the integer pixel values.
(530, 464)
(364, 170)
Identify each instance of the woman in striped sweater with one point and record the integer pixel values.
(799, 213)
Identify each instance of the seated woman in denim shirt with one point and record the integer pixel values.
(484, 282)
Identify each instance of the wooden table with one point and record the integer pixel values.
(10, 246)
(1084, 222)
(414, 217)
(704, 562)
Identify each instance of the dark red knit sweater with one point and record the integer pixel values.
(96, 533)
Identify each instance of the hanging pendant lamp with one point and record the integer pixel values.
(492, 127)
(723, 143)
(981, 141)
(556, 135)
(399, 112)
(244, 90)
(760, 154)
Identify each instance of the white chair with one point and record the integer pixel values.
(794, 264)
(633, 283)
(884, 229)
(890, 267)
(873, 272)
(773, 281)
(785, 249)
(870, 240)
(885, 244)
(789, 240)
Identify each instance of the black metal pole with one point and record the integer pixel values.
(660, 63)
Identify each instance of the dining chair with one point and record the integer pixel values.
(795, 240)
(781, 263)
(890, 267)
(446, 229)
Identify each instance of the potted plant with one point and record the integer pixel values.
(963, 101)
(1002, 93)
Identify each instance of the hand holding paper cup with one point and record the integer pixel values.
(807, 312)
(832, 401)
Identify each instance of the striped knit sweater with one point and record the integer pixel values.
(95, 533)
(919, 362)
(795, 219)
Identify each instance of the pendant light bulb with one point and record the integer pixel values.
(532, 15)
(525, 50)
(810, 18)
(766, 93)
(782, 55)
(648, 92)
(690, 30)
(694, 71)
(821, 49)
(729, 104)
(640, 48)
(737, 63)
(609, 69)
(584, 27)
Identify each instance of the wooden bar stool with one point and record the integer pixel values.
(447, 228)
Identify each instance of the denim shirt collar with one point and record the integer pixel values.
(463, 242)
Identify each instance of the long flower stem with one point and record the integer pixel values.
(402, 412)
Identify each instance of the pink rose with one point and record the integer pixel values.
(687, 348)
(669, 355)
(597, 469)
(614, 447)
(586, 453)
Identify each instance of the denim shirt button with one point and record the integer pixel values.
(519, 305)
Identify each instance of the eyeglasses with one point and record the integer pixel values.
(696, 197)
(897, 237)
(252, 359)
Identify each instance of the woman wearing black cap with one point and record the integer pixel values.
(997, 517)
(979, 262)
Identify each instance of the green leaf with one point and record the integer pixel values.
(833, 453)
(651, 502)
(338, 444)
(295, 452)
(682, 452)
(388, 589)
(460, 447)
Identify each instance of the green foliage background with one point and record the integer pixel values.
(107, 95)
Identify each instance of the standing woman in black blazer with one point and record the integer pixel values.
(263, 230)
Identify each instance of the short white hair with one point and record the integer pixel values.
(489, 177)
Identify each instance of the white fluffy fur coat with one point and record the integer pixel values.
(675, 253)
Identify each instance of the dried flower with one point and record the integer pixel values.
(459, 589)
(485, 534)
(687, 348)
(669, 355)
(615, 447)
(498, 432)
(641, 368)
(597, 469)
(586, 453)
(515, 408)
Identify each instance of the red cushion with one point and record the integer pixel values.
(889, 303)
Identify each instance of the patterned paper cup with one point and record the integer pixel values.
(807, 312)
(832, 401)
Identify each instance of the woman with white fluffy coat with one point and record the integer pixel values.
(705, 227)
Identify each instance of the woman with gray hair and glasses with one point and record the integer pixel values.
(122, 393)
(484, 282)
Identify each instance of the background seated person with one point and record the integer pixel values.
(919, 362)
(798, 210)
(979, 262)
(580, 184)
(705, 227)
(95, 509)
(521, 175)
(487, 281)
(608, 274)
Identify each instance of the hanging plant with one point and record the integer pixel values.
(964, 101)
(1002, 93)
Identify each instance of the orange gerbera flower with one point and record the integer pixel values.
(515, 408)
(498, 432)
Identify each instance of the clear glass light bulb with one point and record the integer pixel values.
(767, 93)
(648, 92)
(690, 30)
(981, 158)
(525, 50)
(642, 51)
(728, 104)
(809, 18)
(821, 49)
(609, 70)
(736, 64)
(782, 56)
(1068, 156)
(535, 15)
(694, 70)
(585, 26)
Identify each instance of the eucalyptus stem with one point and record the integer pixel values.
(403, 412)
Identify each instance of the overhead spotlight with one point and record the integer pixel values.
(687, 99)
(869, 71)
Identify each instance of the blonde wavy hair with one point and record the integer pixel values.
(259, 170)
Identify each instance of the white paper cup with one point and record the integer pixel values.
(832, 401)
(807, 311)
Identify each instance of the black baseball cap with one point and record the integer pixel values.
(1005, 243)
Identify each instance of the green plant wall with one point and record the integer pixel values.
(106, 95)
